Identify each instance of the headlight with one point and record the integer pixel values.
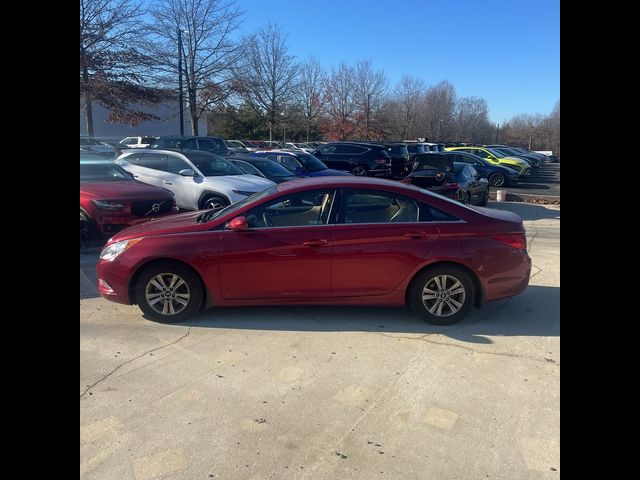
(108, 205)
(242, 192)
(112, 251)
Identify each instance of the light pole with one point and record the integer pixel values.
(180, 82)
(497, 130)
(368, 107)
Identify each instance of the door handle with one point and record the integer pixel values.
(166, 182)
(314, 243)
(135, 176)
(417, 235)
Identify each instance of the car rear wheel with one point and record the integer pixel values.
(442, 295)
(214, 202)
(359, 170)
(169, 292)
(497, 180)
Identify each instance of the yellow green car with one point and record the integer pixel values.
(495, 157)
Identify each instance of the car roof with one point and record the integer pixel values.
(346, 182)
(190, 154)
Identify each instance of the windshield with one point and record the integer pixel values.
(213, 214)
(495, 153)
(89, 141)
(269, 167)
(250, 144)
(507, 151)
(310, 162)
(215, 167)
(91, 172)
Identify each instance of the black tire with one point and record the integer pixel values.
(359, 171)
(497, 180)
(166, 271)
(426, 279)
(85, 230)
(214, 202)
(485, 198)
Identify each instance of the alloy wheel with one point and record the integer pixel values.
(167, 294)
(443, 295)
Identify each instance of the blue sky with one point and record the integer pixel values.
(505, 51)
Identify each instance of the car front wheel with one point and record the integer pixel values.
(359, 170)
(497, 180)
(442, 295)
(169, 292)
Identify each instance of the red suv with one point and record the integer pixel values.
(111, 199)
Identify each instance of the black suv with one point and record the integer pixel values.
(400, 158)
(363, 159)
(208, 144)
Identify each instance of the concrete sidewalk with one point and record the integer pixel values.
(328, 393)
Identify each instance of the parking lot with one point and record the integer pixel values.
(313, 393)
(543, 182)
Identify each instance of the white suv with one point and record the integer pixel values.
(198, 179)
(137, 142)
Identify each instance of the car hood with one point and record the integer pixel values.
(246, 182)
(179, 223)
(126, 190)
(328, 173)
(516, 159)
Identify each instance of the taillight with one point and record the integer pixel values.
(515, 240)
(450, 186)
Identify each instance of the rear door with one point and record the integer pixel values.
(148, 167)
(379, 240)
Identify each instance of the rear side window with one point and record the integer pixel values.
(366, 206)
(432, 214)
(350, 149)
(154, 161)
(147, 140)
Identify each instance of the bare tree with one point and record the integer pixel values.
(310, 92)
(440, 102)
(340, 105)
(409, 95)
(472, 120)
(268, 75)
(206, 28)
(111, 63)
(370, 86)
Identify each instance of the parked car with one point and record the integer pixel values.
(459, 181)
(91, 145)
(361, 159)
(299, 163)
(136, 142)
(305, 147)
(532, 160)
(262, 167)
(400, 158)
(241, 144)
(495, 158)
(496, 175)
(354, 241)
(415, 149)
(207, 144)
(198, 179)
(111, 199)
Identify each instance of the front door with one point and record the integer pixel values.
(285, 254)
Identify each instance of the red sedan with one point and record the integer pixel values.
(321, 241)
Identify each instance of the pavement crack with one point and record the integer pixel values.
(456, 345)
(131, 360)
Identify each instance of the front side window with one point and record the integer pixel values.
(175, 164)
(327, 149)
(295, 210)
(362, 206)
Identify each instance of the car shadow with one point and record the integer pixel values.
(527, 211)
(535, 312)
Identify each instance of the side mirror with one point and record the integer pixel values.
(187, 172)
(238, 224)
